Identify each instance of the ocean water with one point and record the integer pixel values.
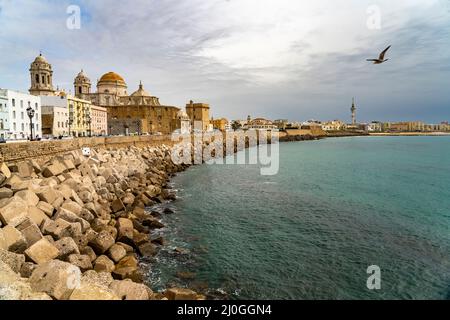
(336, 207)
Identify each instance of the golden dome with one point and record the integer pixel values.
(111, 76)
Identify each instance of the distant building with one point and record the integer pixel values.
(334, 125)
(374, 126)
(17, 118)
(4, 115)
(183, 122)
(199, 113)
(260, 123)
(220, 124)
(99, 121)
(281, 123)
(55, 116)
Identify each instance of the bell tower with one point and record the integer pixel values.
(82, 85)
(41, 77)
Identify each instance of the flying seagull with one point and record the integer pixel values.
(381, 57)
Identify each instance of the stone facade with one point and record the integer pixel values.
(138, 113)
(198, 114)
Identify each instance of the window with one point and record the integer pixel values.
(37, 127)
(21, 115)
(43, 79)
(36, 106)
(23, 127)
(21, 103)
(48, 79)
(13, 102)
(58, 124)
(37, 116)
(79, 89)
(29, 104)
(14, 115)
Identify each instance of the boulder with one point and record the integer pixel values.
(58, 202)
(129, 290)
(117, 253)
(81, 261)
(12, 239)
(5, 193)
(37, 215)
(56, 278)
(181, 294)
(47, 208)
(30, 231)
(147, 249)
(42, 251)
(13, 287)
(24, 169)
(102, 242)
(58, 228)
(52, 170)
(104, 264)
(46, 194)
(72, 206)
(102, 279)
(124, 230)
(14, 212)
(92, 292)
(27, 269)
(86, 196)
(127, 268)
(66, 246)
(13, 260)
(89, 252)
(117, 205)
(5, 170)
(28, 196)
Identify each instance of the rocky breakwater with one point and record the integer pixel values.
(74, 226)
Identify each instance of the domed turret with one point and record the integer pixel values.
(82, 84)
(112, 83)
(41, 77)
(141, 92)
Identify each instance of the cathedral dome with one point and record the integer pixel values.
(141, 92)
(111, 77)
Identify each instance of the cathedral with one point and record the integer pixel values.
(135, 113)
(138, 112)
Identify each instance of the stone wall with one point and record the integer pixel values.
(12, 152)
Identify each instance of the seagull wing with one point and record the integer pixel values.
(371, 59)
(384, 52)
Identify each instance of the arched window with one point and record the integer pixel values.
(43, 79)
(48, 79)
(37, 78)
(79, 89)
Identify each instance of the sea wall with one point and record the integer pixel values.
(13, 152)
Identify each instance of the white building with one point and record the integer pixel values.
(4, 114)
(18, 120)
(55, 116)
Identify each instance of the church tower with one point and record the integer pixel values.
(82, 85)
(353, 110)
(41, 77)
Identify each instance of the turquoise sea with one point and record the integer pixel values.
(336, 207)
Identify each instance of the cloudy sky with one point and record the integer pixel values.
(293, 59)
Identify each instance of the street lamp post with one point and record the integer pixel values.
(30, 112)
(89, 122)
